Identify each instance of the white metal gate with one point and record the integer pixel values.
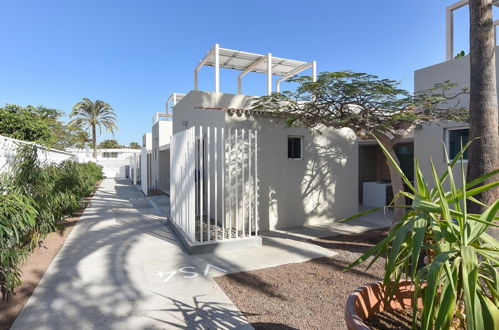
(214, 183)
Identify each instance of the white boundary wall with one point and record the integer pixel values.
(8, 148)
(214, 183)
(120, 166)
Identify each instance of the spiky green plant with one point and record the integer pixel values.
(461, 269)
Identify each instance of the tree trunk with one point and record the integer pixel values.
(483, 154)
(396, 180)
(94, 141)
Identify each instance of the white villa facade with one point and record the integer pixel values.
(236, 171)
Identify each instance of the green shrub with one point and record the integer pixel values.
(41, 195)
(461, 265)
(17, 220)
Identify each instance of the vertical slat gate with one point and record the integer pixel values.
(214, 183)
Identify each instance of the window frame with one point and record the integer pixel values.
(301, 146)
(447, 139)
(109, 154)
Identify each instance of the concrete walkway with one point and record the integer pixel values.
(121, 268)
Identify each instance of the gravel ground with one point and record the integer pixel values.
(307, 295)
(229, 232)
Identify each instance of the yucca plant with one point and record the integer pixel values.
(459, 278)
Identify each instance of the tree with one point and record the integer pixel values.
(134, 145)
(370, 106)
(24, 123)
(90, 115)
(483, 154)
(110, 144)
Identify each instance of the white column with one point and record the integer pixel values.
(217, 68)
(314, 71)
(269, 74)
(196, 79)
(449, 33)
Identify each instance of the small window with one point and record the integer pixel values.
(295, 147)
(110, 154)
(456, 137)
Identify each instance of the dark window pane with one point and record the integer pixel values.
(294, 147)
(456, 138)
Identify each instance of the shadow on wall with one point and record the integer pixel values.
(323, 188)
(319, 188)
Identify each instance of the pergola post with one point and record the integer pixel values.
(449, 28)
(269, 74)
(217, 68)
(314, 71)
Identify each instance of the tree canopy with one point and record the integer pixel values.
(41, 125)
(110, 144)
(134, 145)
(365, 103)
(89, 115)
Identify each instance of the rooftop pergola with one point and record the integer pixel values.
(450, 25)
(172, 100)
(250, 62)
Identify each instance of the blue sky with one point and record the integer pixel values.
(133, 54)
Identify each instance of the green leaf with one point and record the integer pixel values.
(469, 266)
(419, 229)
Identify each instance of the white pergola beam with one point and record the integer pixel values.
(248, 70)
(293, 73)
(314, 71)
(217, 68)
(202, 63)
(269, 74)
(449, 44)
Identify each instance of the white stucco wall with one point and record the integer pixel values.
(161, 135)
(429, 139)
(144, 172)
(319, 188)
(112, 167)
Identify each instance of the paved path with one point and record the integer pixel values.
(121, 268)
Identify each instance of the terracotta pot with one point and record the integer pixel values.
(368, 300)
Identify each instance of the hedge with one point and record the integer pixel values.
(35, 200)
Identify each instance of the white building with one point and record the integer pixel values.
(427, 139)
(116, 163)
(235, 171)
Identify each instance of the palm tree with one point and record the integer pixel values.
(483, 154)
(90, 115)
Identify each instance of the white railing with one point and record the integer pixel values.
(8, 149)
(214, 186)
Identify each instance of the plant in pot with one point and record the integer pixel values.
(440, 260)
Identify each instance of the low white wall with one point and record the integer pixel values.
(8, 148)
(111, 167)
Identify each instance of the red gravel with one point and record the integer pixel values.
(307, 295)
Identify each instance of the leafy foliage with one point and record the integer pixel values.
(134, 145)
(110, 144)
(459, 282)
(37, 198)
(90, 115)
(24, 123)
(41, 125)
(365, 103)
